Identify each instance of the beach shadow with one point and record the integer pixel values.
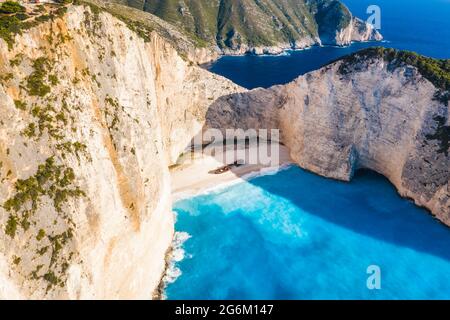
(368, 205)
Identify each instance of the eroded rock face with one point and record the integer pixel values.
(92, 116)
(358, 31)
(336, 120)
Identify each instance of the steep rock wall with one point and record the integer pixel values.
(92, 116)
(358, 31)
(376, 114)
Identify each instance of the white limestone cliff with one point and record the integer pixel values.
(92, 117)
(372, 114)
(357, 31)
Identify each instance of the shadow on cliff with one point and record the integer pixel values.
(368, 205)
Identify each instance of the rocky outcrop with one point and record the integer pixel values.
(366, 111)
(94, 110)
(337, 25)
(356, 31)
(269, 50)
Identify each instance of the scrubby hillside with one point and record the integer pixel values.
(239, 26)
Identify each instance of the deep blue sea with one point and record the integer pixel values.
(295, 235)
(416, 25)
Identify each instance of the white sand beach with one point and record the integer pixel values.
(194, 174)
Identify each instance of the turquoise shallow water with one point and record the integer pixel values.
(295, 235)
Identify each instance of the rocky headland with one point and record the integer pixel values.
(378, 109)
(237, 27)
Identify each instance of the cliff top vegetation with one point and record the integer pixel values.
(437, 71)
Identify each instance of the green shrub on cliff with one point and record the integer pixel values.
(15, 23)
(437, 71)
(36, 81)
(9, 7)
(63, 1)
(235, 23)
(9, 27)
(51, 180)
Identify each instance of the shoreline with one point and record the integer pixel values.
(284, 52)
(232, 181)
(194, 178)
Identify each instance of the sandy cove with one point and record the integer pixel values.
(193, 175)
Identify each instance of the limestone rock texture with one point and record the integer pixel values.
(91, 118)
(374, 114)
(357, 31)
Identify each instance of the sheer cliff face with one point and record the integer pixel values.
(357, 30)
(374, 115)
(262, 26)
(337, 26)
(92, 116)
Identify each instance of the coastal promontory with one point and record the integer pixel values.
(262, 27)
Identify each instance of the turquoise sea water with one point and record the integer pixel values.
(416, 25)
(295, 235)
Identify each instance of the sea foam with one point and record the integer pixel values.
(177, 254)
